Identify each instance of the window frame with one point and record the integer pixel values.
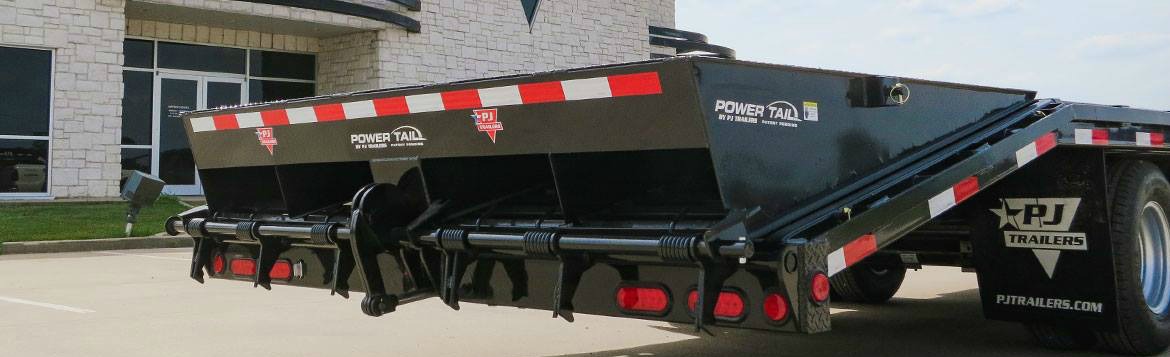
(247, 74)
(48, 193)
(246, 79)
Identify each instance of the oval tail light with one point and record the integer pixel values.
(643, 299)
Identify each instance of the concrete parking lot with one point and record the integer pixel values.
(140, 303)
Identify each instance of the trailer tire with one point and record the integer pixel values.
(1060, 337)
(1144, 329)
(872, 281)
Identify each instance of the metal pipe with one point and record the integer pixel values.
(500, 241)
(588, 244)
(264, 229)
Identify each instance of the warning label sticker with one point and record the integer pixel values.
(810, 112)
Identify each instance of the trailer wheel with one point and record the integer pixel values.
(1141, 251)
(872, 281)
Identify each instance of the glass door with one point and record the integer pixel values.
(177, 94)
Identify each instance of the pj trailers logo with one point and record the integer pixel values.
(267, 138)
(488, 121)
(1041, 224)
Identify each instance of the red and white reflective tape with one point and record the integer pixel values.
(1149, 139)
(625, 85)
(1035, 149)
(953, 196)
(851, 253)
(1091, 136)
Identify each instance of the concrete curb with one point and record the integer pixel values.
(63, 246)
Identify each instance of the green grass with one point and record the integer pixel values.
(80, 220)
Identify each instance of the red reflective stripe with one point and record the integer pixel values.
(966, 188)
(1157, 139)
(226, 121)
(274, 117)
(461, 99)
(1100, 136)
(546, 92)
(391, 106)
(635, 84)
(329, 112)
(860, 248)
(645, 83)
(1045, 143)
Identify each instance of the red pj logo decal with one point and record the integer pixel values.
(267, 138)
(487, 121)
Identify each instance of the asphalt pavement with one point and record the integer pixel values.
(140, 303)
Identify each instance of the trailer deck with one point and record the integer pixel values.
(719, 192)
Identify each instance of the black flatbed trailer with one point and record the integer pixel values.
(716, 192)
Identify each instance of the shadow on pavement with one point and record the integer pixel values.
(948, 325)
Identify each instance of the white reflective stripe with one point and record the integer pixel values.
(942, 202)
(143, 256)
(423, 103)
(301, 115)
(1083, 136)
(45, 305)
(1143, 139)
(500, 96)
(358, 110)
(836, 261)
(202, 124)
(249, 120)
(589, 88)
(1026, 154)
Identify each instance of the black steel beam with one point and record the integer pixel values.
(688, 46)
(412, 5)
(677, 34)
(348, 8)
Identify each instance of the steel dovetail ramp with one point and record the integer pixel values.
(925, 186)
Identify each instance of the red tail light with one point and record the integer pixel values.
(643, 299)
(729, 305)
(776, 307)
(243, 266)
(820, 287)
(218, 264)
(282, 270)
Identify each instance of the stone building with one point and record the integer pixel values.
(90, 89)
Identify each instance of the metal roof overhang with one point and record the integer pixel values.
(354, 9)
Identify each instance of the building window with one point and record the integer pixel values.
(260, 91)
(26, 76)
(280, 75)
(137, 107)
(180, 75)
(139, 53)
(282, 65)
(201, 58)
